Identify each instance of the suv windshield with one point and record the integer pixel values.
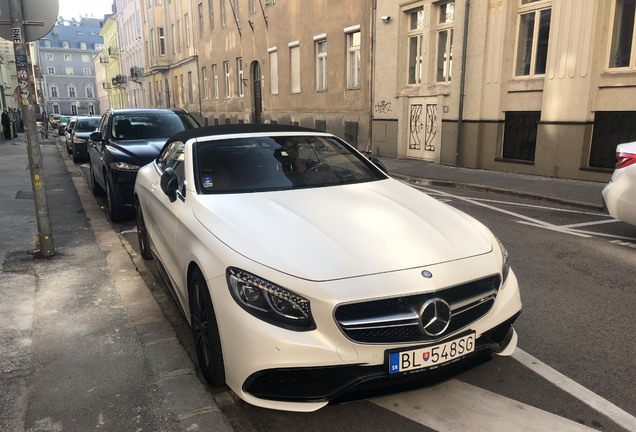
(152, 125)
(275, 163)
(87, 125)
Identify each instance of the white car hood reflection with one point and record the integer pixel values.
(342, 231)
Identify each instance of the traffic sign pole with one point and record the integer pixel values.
(32, 139)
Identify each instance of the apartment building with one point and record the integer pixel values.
(110, 59)
(133, 60)
(65, 58)
(275, 61)
(533, 86)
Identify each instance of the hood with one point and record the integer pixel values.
(342, 231)
(142, 151)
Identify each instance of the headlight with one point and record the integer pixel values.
(79, 140)
(269, 302)
(505, 268)
(123, 166)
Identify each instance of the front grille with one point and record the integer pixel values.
(395, 320)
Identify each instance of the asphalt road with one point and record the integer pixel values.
(574, 366)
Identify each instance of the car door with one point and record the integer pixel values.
(162, 215)
(96, 151)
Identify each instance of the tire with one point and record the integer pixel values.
(142, 234)
(68, 149)
(115, 212)
(206, 332)
(95, 187)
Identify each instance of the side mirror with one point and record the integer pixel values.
(96, 136)
(169, 184)
(379, 164)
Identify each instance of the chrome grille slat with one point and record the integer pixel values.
(396, 320)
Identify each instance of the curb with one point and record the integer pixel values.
(497, 190)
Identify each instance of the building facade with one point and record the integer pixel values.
(65, 58)
(248, 61)
(133, 61)
(110, 58)
(538, 87)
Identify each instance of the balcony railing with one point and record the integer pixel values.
(136, 73)
(106, 85)
(119, 80)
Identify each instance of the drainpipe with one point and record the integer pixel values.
(462, 85)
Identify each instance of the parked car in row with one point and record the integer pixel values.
(68, 131)
(619, 196)
(54, 120)
(61, 125)
(77, 133)
(124, 141)
(308, 275)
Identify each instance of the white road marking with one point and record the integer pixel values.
(457, 406)
(586, 396)
(526, 220)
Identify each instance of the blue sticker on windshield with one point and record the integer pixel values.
(207, 182)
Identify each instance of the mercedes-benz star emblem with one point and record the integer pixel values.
(435, 317)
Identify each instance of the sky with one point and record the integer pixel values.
(81, 8)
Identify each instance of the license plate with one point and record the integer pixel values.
(420, 358)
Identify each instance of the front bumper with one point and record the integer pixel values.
(355, 382)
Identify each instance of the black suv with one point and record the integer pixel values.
(126, 140)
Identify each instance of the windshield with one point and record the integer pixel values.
(87, 125)
(152, 125)
(276, 163)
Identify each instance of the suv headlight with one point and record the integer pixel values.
(269, 302)
(123, 166)
(505, 268)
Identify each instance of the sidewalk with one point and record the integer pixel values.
(84, 344)
(578, 193)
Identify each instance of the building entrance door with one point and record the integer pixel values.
(424, 129)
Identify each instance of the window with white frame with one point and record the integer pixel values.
(87, 71)
(72, 93)
(65, 44)
(56, 109)
(188, 32)
(67, 57)
(239, 76)
(204, 76)
(415, 45)
(53, 91)
(162, 41)
(200, 16)
(294, 56)
(89, 91)
(223, 17)
(49, 56)
(353, 58)
(445, 41)
(50, 70)
(91, 109)
(211, 7)
(85, 58)
(215, 81)
(73, 109)
(226, 71)
(273, 70)
(69, 70)
(83, 45)
(321, 62)
(621, 49)
(532, 37)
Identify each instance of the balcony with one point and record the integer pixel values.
(119, 80)
(136, 74)
(113, 52)
(103, 59)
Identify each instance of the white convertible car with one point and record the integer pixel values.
(309, 276)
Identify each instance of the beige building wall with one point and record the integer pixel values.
(242, 41)
(573, 104)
